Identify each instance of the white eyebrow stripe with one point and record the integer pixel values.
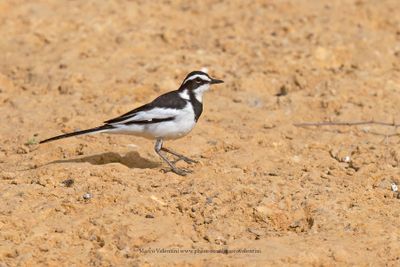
(201, 76)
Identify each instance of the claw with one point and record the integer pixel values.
(188, 160)
(181, 172)
(185, 159)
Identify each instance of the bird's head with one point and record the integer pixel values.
(197, 82)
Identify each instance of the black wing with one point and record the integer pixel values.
(171, 100)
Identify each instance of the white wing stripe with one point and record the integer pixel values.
(149, 115)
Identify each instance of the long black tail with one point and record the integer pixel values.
(92, 130)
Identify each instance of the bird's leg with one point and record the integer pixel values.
(180, 156)
(158, 148)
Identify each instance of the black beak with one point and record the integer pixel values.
(215, 81)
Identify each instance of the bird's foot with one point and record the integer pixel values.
(189, 160)
(185, 159)
(179, 171)
(179, 156)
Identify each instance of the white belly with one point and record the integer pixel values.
(170, 129)
(174, 129)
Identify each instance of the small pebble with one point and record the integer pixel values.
(268, 126)
(68, 182)
(347, 159)
(149, 216)
(87, 196)
(282, 91)
(394, 187)
(22, 150)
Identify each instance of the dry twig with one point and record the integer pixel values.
(350, 123)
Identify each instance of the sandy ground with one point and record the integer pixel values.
(289, 195)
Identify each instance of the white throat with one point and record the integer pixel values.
(198, 93)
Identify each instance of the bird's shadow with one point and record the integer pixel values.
(131, 160)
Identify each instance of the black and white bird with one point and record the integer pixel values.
(169, 116)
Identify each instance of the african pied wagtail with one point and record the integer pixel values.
(169, 116)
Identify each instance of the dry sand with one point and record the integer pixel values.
(262, 183)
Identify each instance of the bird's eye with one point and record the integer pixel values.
(198, 80)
